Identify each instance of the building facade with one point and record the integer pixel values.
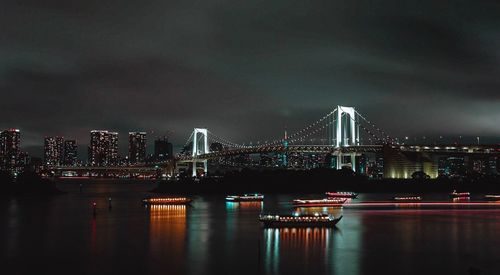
(103, 148)
(402, 165)
(136, 147)
(53, 151)
(70, 152)
(163, 149)
(10, 141)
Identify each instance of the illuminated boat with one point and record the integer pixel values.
(166, 201)
(316, 220)
(408, 199)
(320, 203)
(492, 197)
(246, 197)
(461, 199)
(347, 195)
(456, 194)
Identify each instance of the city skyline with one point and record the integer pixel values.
(250, 137)
(433, 70)
(123, 148)
(342, 138)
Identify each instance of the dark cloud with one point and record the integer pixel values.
(247, 70)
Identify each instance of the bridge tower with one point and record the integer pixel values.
(284, 156)
(346, 134)
(200, 146)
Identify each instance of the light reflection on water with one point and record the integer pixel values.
(60, 235)
(245, 205)
(168, 226)
(298, 248)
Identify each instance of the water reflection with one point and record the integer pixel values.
(237, 211)
(245, 205)
(60, 235)
(12, 222)
(168, 232)
(167, 221)
(299, 248)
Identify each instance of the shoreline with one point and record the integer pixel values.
(302, 181)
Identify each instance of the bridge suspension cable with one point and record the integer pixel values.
(190, 138)
(226, 142)
(386, 137)
(313, 132)
(295, 135)
(328, 122)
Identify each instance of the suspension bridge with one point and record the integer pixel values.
(344, 134)
(341, 133)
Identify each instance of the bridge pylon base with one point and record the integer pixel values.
(195, 167)
(340, 161)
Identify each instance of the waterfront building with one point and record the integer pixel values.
(136, 147)
(267, 160)
(163, 149)
(402, 165)
(24, 159)
(452, 166)
(53, 151)
(70, 152)
(361, 163)
(103, 148)
(10, 140)
(493, 165)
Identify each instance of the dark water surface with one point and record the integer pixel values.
(60, 235)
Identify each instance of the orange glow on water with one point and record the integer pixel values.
(251, 205)
(168, 227)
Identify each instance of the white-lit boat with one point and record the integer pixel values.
(317, 220)
(456, 194)
(408, 199)
(347, 195)
(246, 197)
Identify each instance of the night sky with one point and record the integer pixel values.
(247, 69)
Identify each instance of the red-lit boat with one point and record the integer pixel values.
(166, 201)
(317, 220)
(347, 195)
(456, 194)
(319, 203)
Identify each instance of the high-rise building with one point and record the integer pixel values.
(24, 159)
(10, 140)
(136, 147)
(103, 148)
(70, 152)
(452, 166)
(53, 151)
(163, 149)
